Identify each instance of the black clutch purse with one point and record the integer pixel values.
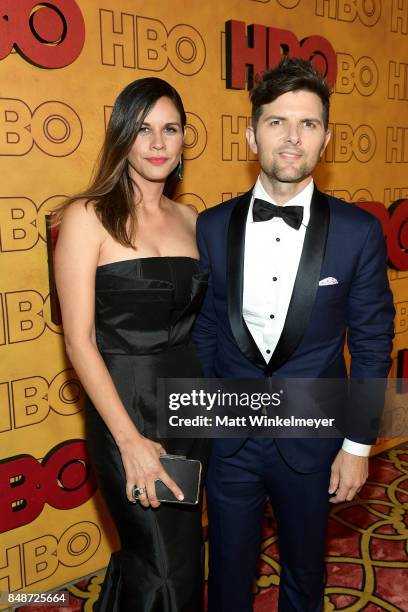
(186, 473)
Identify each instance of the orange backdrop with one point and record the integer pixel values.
(62, 65)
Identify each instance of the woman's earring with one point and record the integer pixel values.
(180, 169)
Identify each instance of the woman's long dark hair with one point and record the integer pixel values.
(112, 190)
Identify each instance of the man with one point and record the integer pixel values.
(291, 271)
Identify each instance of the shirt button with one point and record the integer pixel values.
(277, 239)
(268, 351)
(274, 278)
(271, 316)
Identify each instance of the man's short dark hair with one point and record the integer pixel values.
(291, 74)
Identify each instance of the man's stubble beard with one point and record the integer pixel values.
(275, 173)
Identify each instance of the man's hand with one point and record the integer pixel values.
(348, 474)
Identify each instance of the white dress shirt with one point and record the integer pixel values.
(272, 256)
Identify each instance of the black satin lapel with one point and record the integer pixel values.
(306, 283)
(235, 280)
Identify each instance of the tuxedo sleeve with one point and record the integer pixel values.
(370, 333)
(205, 326)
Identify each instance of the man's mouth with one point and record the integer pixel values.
(291, 155)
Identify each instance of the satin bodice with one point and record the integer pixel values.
(146, 305)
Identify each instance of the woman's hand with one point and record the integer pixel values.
(142, 468)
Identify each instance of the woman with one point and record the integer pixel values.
(128, 282)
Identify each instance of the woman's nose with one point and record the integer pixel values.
(157, 141)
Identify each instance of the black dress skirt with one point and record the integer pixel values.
(144, 311)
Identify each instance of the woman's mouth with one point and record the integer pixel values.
(157, 161)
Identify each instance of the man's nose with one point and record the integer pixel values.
(293, 134)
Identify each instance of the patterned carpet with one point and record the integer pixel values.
(366, 563)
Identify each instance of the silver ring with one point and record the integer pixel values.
(137, 492)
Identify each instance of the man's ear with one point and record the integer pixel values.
(326, 142)
(251, 140)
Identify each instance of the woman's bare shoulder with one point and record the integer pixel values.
(188, 212)
(81, 214)
(80, 224)
(80, 210)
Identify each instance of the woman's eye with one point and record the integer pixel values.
(144, 129)
(170, 129)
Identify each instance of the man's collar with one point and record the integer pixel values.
(303, 198)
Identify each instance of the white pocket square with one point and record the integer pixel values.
(330, 280)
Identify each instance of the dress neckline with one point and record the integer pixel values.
(133, 259)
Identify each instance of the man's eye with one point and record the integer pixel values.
(309, 124)
(275, 122)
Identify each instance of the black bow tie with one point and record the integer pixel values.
(263, 211)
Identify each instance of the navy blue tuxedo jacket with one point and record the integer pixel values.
(341, 241)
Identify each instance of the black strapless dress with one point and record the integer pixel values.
(144, 311)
